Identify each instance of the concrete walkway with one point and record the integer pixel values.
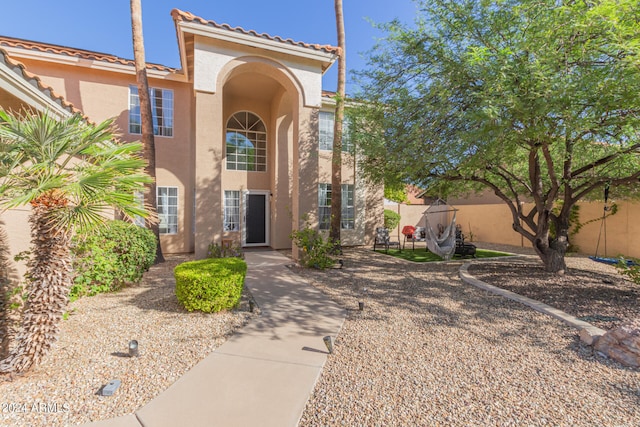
(263, 375)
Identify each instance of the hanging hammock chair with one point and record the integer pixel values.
(445, 244)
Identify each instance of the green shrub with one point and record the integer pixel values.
(115, 254)
(629, 267)
(316, 251)
(391, 219)
(210, 285)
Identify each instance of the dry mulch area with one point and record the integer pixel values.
(594, 292)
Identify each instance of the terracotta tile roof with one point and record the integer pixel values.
(35, 81)
(78, 53)
(179, 15)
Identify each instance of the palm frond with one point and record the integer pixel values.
(41, 155)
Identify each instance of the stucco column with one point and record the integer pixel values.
(208, 168)
(305, 171)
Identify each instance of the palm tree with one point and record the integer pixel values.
(73, 175)
(146, 121)
(336, 158)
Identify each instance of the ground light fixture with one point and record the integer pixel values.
(251, 306)
(110, 388)
(329, 343)
(133, 348)
(362, 297)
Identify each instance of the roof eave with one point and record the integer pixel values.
(17, 52)
(325, 58)
(29, 90)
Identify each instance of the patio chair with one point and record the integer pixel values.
(413, 234)
(384, 240)
(464, 249)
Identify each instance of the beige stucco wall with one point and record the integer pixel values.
(283, 90)
(263, 88)
(492, 223)
(211, 57)
(14, 228)
(102, 95)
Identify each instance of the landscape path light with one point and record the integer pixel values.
(328, 342)
(133, 348)
(362, 298)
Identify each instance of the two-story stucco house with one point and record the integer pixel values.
(243, 131)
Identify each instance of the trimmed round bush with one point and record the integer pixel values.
(391, 219)
(113, 255)
(210, 285)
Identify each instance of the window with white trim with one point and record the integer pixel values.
(161, 111)
(348, 217)
(324, 206)
(167, 209)
(246, 143)
(231, 213)
(326, 121)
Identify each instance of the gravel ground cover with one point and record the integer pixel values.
(431, 350)
(427, 350)
(93, 349)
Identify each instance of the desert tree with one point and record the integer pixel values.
(535, 100)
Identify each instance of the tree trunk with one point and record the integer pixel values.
(5, 297)
(49, 272)
(553, 260)
(552, 250)
(336, 163)
(146, 120)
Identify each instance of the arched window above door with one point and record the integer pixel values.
(246, 143)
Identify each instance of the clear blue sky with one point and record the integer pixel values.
(105, 26)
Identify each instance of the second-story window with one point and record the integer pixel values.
(161, 111)
(246, 143)
(325, 127)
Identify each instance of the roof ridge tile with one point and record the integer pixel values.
(183, 16)
(75, 52)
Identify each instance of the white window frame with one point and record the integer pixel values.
(325, 130)
(324, 206)
(256, 138)
(167, 222)
(326, 123)
(348, 217)
(231, 212)
(162, 126)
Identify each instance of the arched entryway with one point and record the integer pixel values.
(260, 112)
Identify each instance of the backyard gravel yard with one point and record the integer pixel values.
(431, 350)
